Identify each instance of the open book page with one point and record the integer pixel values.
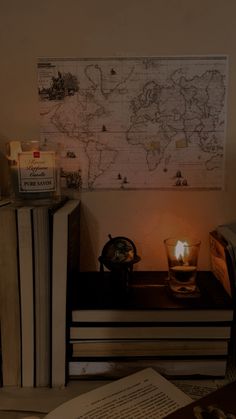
(145, 394)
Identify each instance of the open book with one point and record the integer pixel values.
(144, 394)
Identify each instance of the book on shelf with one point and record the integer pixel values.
(147, 321)
(148, 347)
(9, 298)
(148, 300)
(38, 254)
(143, 394)
(27, 301)
(42, 216)
(168, 367)
(43, 289)
(227, 232)
(65, 270)
(150, 331)
(222, 264)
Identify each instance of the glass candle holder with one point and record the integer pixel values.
(34, 172)
(182, 257)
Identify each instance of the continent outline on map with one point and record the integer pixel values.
(134, 123)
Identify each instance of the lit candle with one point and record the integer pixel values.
(183, 271)
(182, 261)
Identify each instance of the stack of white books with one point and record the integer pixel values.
(39, 255)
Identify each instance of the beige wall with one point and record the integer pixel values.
(92, 28)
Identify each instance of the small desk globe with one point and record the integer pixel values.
(118, 256)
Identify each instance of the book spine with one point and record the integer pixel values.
(42, 294)
(113, 331)
(26, 271)
(65, 270)
(152, 316)
(10, 298)
(174, 367)
(148, 347)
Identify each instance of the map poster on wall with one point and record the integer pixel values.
(136, 123)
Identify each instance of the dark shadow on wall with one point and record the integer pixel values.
(88, 240)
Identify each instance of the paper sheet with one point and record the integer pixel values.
(140, 395)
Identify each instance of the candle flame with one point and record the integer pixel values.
(181, 250)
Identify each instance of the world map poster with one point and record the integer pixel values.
(136, 123)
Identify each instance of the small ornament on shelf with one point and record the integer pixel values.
(118, 256)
